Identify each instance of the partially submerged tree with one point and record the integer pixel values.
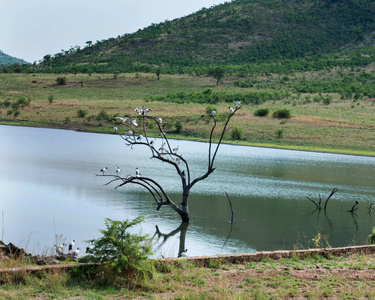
(318, 205)
(168, 155)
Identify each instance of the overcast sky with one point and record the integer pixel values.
(30, 29)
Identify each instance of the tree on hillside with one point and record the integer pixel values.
(158, 72)
(165, 153)
(218, 74)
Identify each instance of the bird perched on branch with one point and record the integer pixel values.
(122, 120)
(138, 110)
(176, 149)
(76, 253)
(71, 245)
(160, 120)
(213, 112)
(89, 247)
(137, 174)
(231, 110)
(60, 249)
(118, 170)
(134, 122)
(103, 170)
(238, 103)
(146, 111)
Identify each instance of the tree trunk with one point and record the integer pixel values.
(185, 208)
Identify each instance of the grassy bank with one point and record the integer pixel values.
(346, 277)
(89, 102)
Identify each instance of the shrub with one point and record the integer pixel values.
(178, 125)
(283, 113)
(50, 99)
(237, 134)
(126, 253)
(103, 115)
(61, 80)
(261, 112)
(81, 113)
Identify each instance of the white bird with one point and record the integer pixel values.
(134, 122)
(138, 110)
(139, 138)
(118, 170)
(115, 129)
(160, 120)
(137, 174)
(213, 112)
(146, 111)
(231, 110)
(103, 170)
(152, 142)
(71, 245)
(89, 247)
(238, 103)
(60, 249)
(76, 252)
(121, 119)
(176, 149)
(184, 253)
(129, 133)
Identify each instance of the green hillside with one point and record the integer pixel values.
(9, 60)
(235, 33)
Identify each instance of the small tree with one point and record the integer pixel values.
(170, 156)
(158, 72)
(50, 99)
(126, 253)
(61, 80)
(218, 74)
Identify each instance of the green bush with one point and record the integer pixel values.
(81, 113)
(283, 113)
(261, 112)
(61, 80)
(126, 252)
(237, 134)
(103, 115)
(178, 125)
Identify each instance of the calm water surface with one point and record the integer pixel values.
(49, 188)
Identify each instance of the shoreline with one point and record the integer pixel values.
(316, 149)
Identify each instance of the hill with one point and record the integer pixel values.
(240, 32)
(6, 59)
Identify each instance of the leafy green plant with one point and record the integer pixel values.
(237, 134)
(371, 237)
(283, 113)
(261, 112)
(61, 80)
(50, 99)
(178, 125)
(81, 113)
(125, 252)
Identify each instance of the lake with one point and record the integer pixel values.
(49, 188)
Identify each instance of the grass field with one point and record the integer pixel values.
(346, 277)
(343, 126)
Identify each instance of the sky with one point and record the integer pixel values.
(31, 29)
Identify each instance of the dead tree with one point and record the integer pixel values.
(168, 155)
(354, 207)
(318, 205)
